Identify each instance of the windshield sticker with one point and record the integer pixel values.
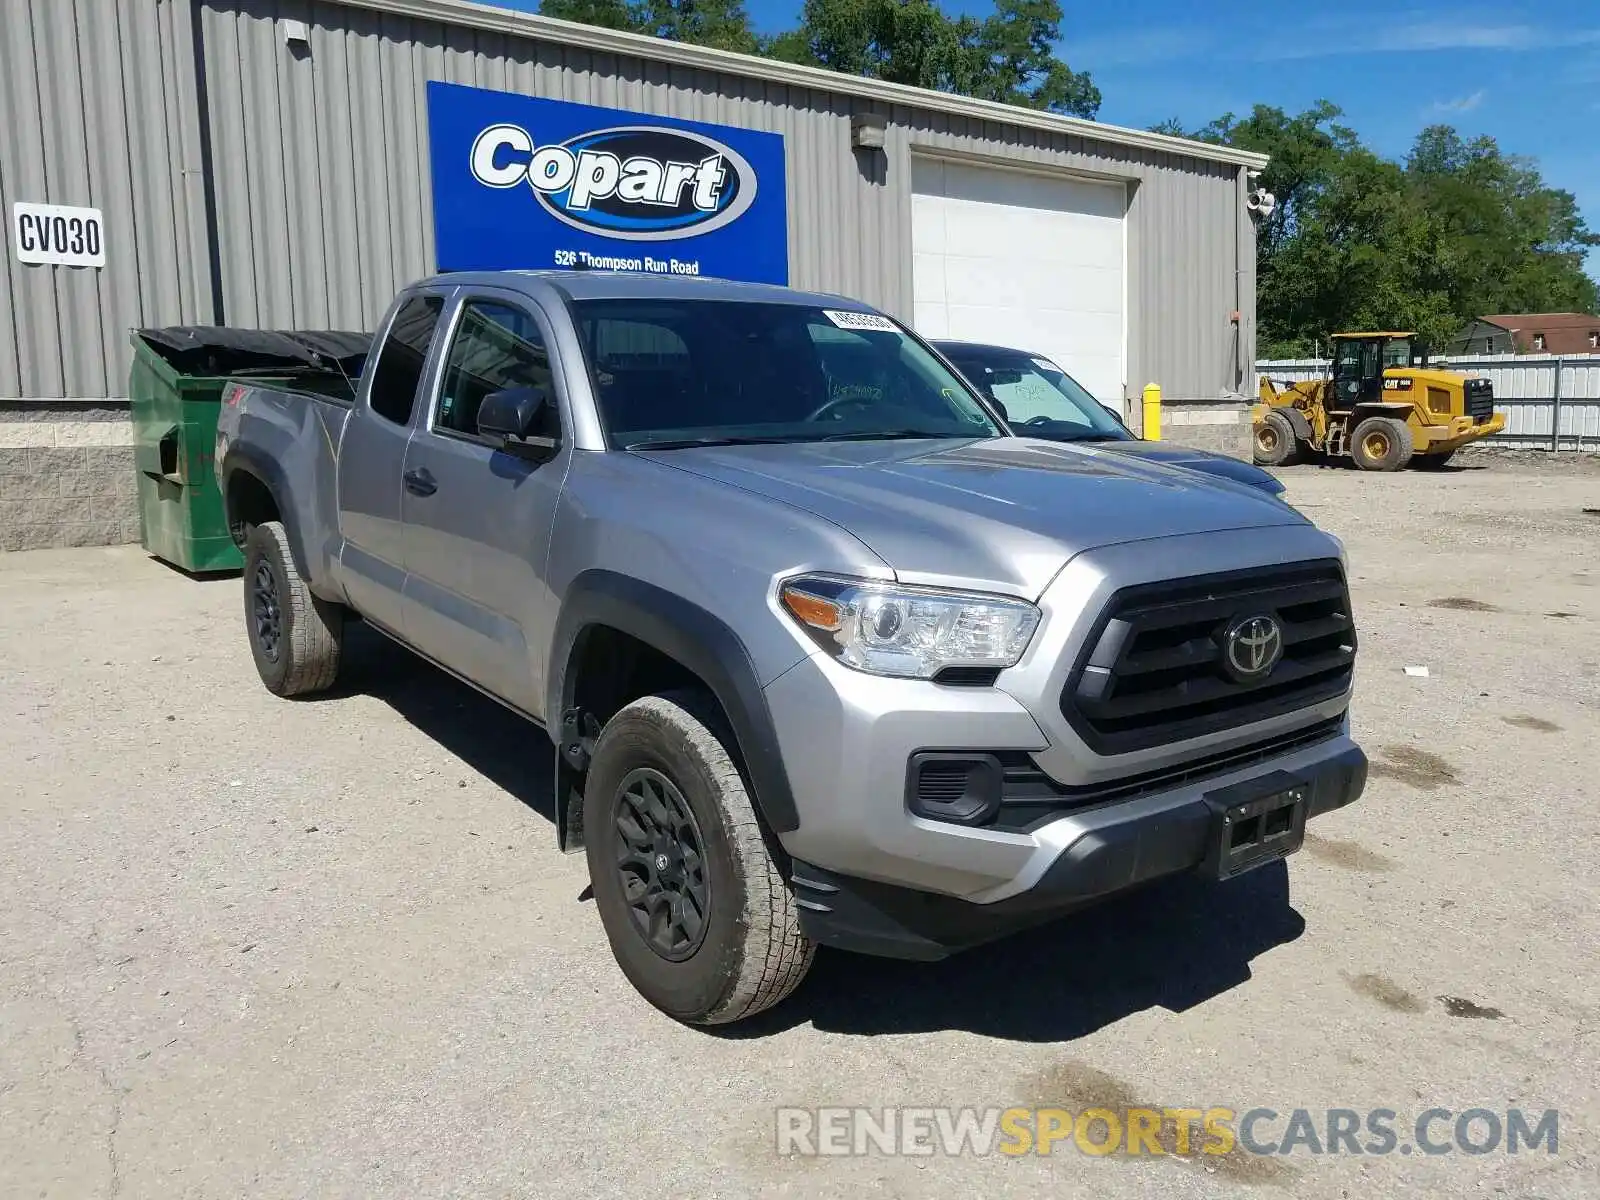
(1044, 364)
(870, 322)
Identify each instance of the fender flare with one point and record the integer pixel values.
(1394, 411)
(243, 459)
(699, 642)
(1297, 421)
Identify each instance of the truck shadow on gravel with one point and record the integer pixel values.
(490, 739)
(1173, 945)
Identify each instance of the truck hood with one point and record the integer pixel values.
(1208, 461)
(1002, 515)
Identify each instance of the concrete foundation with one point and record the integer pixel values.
(1223, 426)
(66, 474)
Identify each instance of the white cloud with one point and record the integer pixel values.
(1141, 46)
(1453, 35)
(1422, 34)
(1462, 104)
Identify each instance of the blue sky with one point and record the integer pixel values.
(1526, 72)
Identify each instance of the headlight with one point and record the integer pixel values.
(914, 633)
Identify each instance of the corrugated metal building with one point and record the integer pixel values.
(253, 172)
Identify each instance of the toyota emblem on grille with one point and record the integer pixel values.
(1251, 647)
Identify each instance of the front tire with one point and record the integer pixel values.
(295, 638)
(1433, 462)
(1381, 444)
(1276, 443)
(698, 916)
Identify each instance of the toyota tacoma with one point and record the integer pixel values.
(827, 654)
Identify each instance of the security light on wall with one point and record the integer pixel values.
(868, 131)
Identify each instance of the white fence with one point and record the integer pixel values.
(1548, 400)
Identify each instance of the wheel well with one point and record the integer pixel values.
(249, 503)
(607, 671)
(611, 669)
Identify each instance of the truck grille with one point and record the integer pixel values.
(1480, 400)
(1154, 670)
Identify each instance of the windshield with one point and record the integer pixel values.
(1037, 397)
(694, 372)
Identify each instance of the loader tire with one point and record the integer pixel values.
(1381, 444)
(1276, 444)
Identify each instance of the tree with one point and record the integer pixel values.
(720, 23)
(1008, 57)
(1515, 244)
(1455, 231)
(609, 14)
(911, 43)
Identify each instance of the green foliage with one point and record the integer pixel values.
(609, 14)
(912, 42)
(720, 23)
(1008, 57)
(1456, 231)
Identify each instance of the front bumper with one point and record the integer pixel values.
(1096, 854)
(1461, 431)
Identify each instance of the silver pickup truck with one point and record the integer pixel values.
(827, 654)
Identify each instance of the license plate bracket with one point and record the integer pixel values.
(1255, 823)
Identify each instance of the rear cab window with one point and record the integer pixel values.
(397, 375)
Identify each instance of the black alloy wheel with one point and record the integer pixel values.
(267, 613)
(661, 860)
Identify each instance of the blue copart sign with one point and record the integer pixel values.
(520, 182)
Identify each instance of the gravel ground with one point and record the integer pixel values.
(259, 948)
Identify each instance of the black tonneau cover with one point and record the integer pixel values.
(220, 350)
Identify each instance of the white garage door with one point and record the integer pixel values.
(1017, 259)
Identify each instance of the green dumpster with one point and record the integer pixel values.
(175, 387)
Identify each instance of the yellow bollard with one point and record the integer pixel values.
(1152, 412)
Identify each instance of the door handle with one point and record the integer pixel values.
(420, 482)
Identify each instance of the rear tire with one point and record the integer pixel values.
(1432, 462)
(1276, 444)
(1381, 444)
(295, 638)
(698, 916)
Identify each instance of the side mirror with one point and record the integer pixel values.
(521, 414)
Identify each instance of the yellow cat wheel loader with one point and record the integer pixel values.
(1383, 406)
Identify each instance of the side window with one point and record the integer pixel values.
(497, 346)
(398, 374)
(1371, 362)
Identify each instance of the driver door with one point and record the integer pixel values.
(1357, 374)
(477, 517)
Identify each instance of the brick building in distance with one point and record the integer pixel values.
(1530, 333)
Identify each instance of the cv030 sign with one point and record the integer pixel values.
(57, 235)
(520, 181)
